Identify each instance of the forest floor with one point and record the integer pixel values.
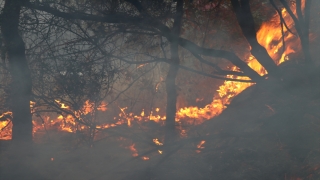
(270, 131)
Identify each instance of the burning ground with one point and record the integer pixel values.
(274, 135)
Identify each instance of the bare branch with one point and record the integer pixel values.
(246, 22)
(166, 32)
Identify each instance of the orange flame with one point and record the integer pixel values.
(157, 142)
(62, 105)
(269, 36)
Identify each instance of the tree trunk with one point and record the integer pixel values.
(21, 85)
(303, 29)
(172, 74)
(246, 22)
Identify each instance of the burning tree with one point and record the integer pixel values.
(84, 44)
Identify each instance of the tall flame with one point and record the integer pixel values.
(270, 36)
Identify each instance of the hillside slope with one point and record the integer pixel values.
(270, 131)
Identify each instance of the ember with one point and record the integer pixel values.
(145, 158)
(133, 150)
(157, 142)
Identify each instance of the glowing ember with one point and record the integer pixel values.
(142, 113)
(133, 150)
(199, 99)
(141, 65)
(62, 105)
(129, 122)
(145, 158)
(157, 142)
(200, 145)
(103, 106)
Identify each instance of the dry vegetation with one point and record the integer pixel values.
(269, 131)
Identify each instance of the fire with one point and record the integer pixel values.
(133, 150)
(145, 158)
(63, 122)
(5, 130)
(200, 145)
(6, 116)
(157, 142)
(269, 36)
(129, 122)
(62, 105)
(142, 113)
(103, 106)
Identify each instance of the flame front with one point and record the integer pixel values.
(270, 37)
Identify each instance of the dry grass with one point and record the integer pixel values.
(271, 134)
